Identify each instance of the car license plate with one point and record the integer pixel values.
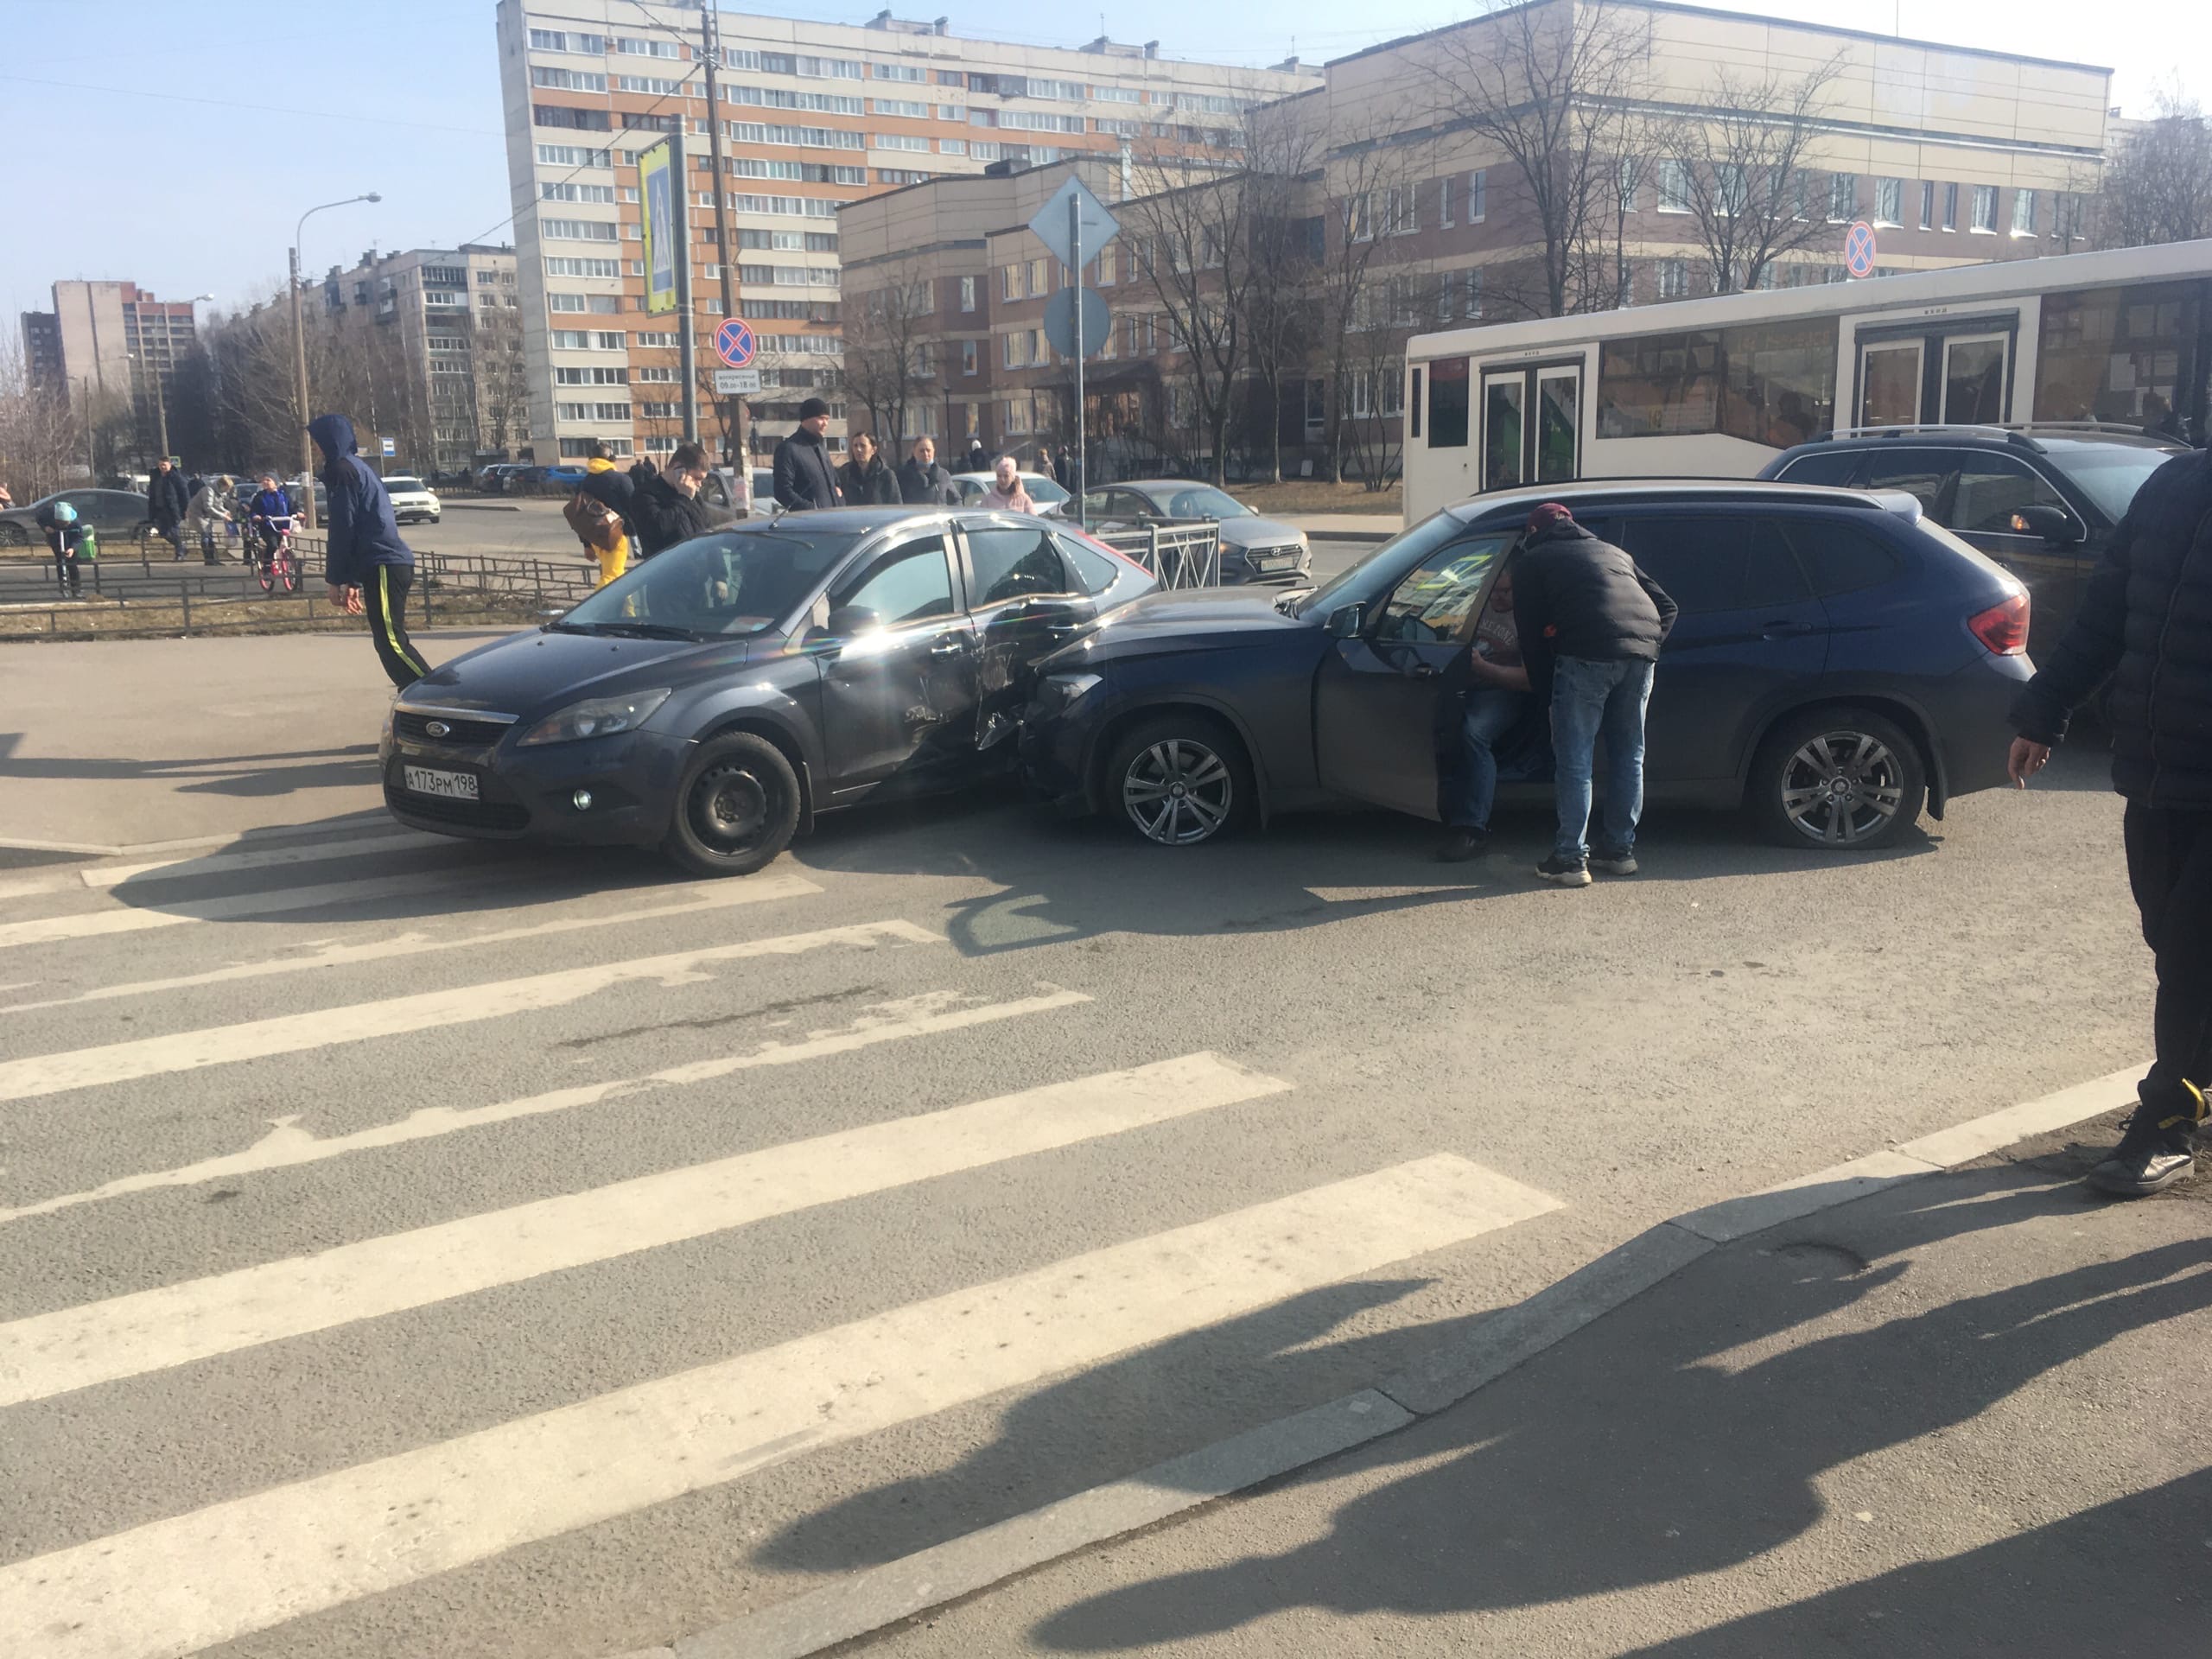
(426, 780)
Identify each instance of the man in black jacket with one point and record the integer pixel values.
(2146, 620)
(665, 505)
(166, 500)
(923, 483)
(804, 477)
(1590, 626)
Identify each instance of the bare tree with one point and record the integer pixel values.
(1551, 86)
(1738, 169)
(1282, 146)
(1368, 194)
(502, 378)
(2157, 186)
(887, 345)
(41, 442)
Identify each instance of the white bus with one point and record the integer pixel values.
(1717, 387)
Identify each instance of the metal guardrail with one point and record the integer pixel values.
(1181, 555)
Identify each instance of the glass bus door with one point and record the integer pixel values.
(1974, 379)
(1532, 425)
(1952, 373)
(1889, 384)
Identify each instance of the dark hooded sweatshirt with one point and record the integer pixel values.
(362, 532)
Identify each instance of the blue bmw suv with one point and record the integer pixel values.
(1841, 664)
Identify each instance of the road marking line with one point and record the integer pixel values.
(174, 1324)
(294, 1033)
(174, 1586)
(185, 870)
(287, 1144)
(243, 907)
(757, 889)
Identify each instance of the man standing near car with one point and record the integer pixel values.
(1591, 625)
(2145, 621)
(923, 483)
(166, 501)
(805, 477)
(368, 568)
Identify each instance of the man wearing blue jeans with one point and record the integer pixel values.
(1590, 626)
(1494, 706)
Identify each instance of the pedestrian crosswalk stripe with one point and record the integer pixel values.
(294, 1033)
(286, 1145)
(243, 907)
(174, 1324)
(266, 858)
(754, 890)
(175, 1585)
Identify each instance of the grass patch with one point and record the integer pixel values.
(1305, 495)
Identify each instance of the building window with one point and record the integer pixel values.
(1674, 188)
(1843, 198)
(2023, 213)
(1445, 217)
(968, 357)
(1928, 204)
(1009, 281)
(1984, 209)
(1888, 202)
(1040, 279)
(1950, 207)
(1673, 279)
(1402, 209)
(1474, 302)
(1477, 195)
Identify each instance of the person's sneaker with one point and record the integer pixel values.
(1566, 872)
(1612, 863)
(1464, 844)
(2153, 1155)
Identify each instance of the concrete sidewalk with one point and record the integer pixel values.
(1968, 1413)
(130, 743)
(1346, 526)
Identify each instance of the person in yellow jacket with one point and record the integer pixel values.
(613, 489)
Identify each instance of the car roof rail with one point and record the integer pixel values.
(1945, 428)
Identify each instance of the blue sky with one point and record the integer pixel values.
(175, 144)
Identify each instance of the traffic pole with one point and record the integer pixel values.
(736, 448)
(1075, 247)
(687, 347)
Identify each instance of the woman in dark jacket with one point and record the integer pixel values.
(866, 479)
(665, 508)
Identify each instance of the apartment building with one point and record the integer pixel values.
(106, 340)
(813, 116)
(435, 336)
(1410, 216)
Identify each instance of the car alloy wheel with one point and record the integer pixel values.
(1843, 788)
(1178, 790)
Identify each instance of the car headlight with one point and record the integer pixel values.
(1058, 693)
(596, 717)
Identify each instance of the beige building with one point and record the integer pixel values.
(106, 340)
(814, 116)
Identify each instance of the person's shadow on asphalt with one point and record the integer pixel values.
(1639, 1454)
(1643, 1451)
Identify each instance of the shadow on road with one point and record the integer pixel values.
(283, 773)
(1648, 1450)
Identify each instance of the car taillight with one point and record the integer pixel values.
(2003, 627)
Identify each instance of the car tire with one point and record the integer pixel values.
(1179, 780)
(736, 808)
(12, 535)
(1839, 779)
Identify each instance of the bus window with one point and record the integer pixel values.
(1447, 403)
(2135, 354)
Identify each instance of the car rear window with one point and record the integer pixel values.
(1716, 561)
(1829, 466)
(1842, 558)
(1095, 572)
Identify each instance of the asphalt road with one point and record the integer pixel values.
(414, 1249)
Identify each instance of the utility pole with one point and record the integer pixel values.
(737, 444)
(161, 412)
(1081, 346)
(300, 359)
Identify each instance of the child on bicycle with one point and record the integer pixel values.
(268, 516)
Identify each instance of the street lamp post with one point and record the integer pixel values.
(299, 358)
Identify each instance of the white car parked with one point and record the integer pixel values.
(412, 500)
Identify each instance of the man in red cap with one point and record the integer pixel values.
(1592, 624)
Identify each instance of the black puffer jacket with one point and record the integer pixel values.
(2146, 620)
(1574, 595)
(660, 516)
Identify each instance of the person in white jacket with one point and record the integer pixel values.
(205, 515)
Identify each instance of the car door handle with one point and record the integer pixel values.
(949, 647)
(1422, 671)
(1782, 628)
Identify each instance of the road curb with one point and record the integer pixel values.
(861, 1602)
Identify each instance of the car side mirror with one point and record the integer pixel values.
(846, 620)
(2054, 526)
(1345, 622)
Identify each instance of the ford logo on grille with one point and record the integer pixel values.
(436, 728)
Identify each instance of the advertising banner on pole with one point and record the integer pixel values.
(657, 185)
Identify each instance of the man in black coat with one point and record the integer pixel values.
(1590, 626)
(166, 500)
(804, 477)
(923, 483)
(2146, 620)
(665, 505)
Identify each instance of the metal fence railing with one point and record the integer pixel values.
(1182, 555)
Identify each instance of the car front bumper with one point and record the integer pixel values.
(528, 794)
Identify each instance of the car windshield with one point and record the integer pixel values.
(400, 481)
(1421, 541)
(1203, 501)
(2111, 473)
(729, 584)
(1042, 490)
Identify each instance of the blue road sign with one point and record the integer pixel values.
(1859, 249)
(734, 343)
